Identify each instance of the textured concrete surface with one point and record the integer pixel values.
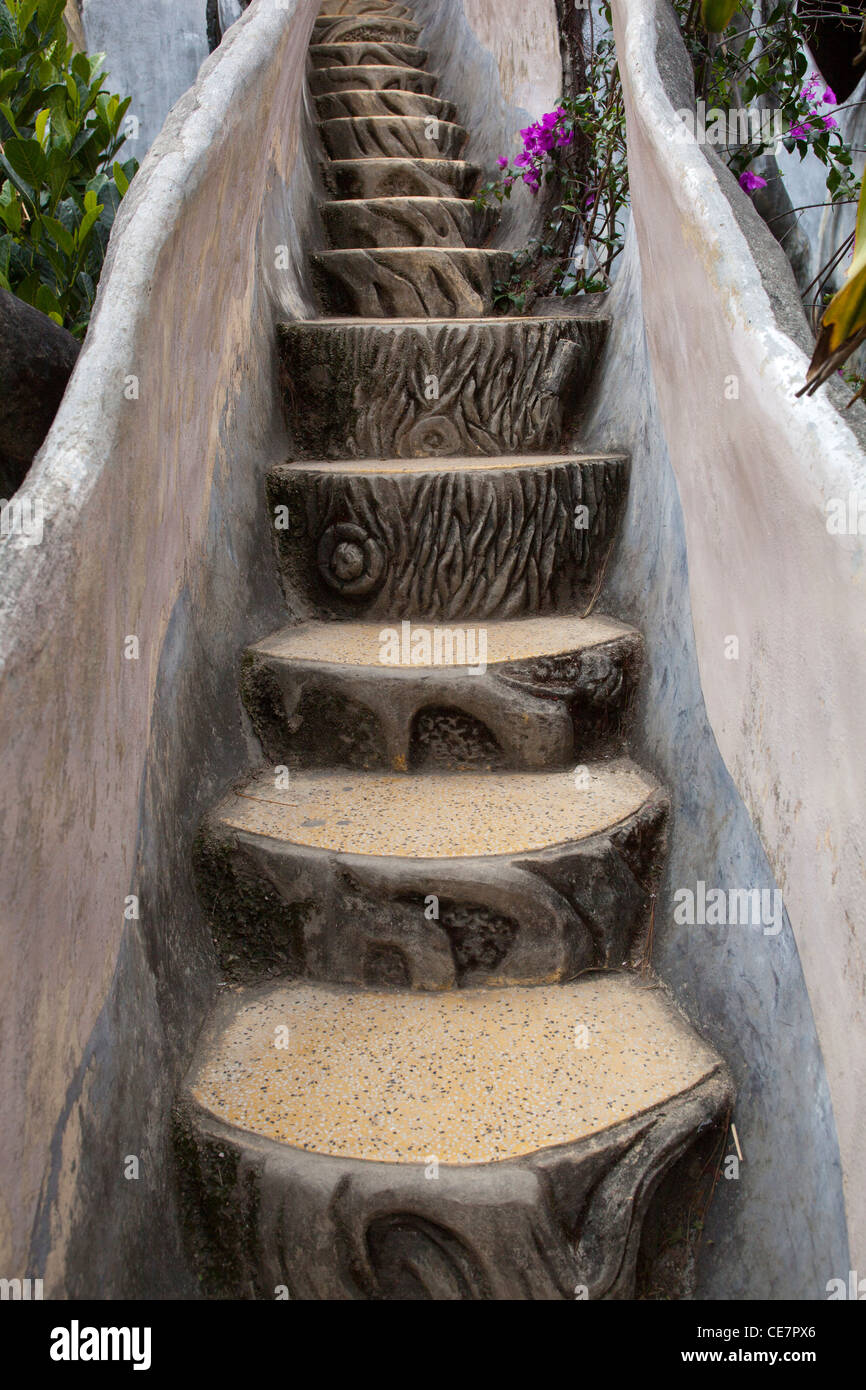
(754, 480)
(172, 483)
(469, 1076)
(360, 644)
(153, 53)
(437, 817)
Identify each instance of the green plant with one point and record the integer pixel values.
(763, 66)
(575, 157)
(60, 134)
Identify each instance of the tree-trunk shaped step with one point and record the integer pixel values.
(375, 137)
(324, 81)
(381, 222)
(523, 694)
(393, 102)
(409, 281)
(365, 28)
(387, 389)
(394, 177)
(455, 539)
(469, 1146)
(325, 56)
(436, 880)
(340, 8)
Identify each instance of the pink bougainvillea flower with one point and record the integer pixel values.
(800, 130)
(751, 181)
(502, 162)
(830, 123)
(829, 97)
(565, 137)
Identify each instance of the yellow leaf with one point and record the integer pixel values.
(717, 14)
(843, 327)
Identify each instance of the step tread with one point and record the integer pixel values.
(510, 640)
(468, 1076)
(479, 463)
(450, 815)
(416, 321)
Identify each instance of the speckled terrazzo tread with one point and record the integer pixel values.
(435, 881)
(472, 1077)
(439, 816)
(549, 692)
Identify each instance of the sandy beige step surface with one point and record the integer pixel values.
(471, 1077)
(519, 640)
(438, 816)
(448, 465)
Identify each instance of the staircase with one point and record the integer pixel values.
(440, 1067)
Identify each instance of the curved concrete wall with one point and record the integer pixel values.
(152, 484)
(757, 471)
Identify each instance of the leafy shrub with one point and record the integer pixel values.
(59, 141)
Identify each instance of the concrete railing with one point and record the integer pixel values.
(119, 636)
(776, 595)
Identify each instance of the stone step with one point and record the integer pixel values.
(393, 102)
(365, 28)
(324, 56)
(375, 137)
(523, 694)
(392, 389)
(409, 281)
(400, 178)
(340, 8)
(325, 81)
(381, 222)
(463, 1146)
(433, 881)
(450, 539)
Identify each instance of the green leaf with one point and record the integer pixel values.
(27, 163)
(64, 238)
(26, 12)
(87, 223)
(120, 178)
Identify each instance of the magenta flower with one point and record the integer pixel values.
(800, 130)
(750, 181)
(829, 97)
(502, 162)
(830, 123)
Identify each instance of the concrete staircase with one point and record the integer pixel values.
(441, 1067)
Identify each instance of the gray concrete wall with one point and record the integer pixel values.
(778, 1230)
(155, 527)
(755, 470)
(154, 49)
